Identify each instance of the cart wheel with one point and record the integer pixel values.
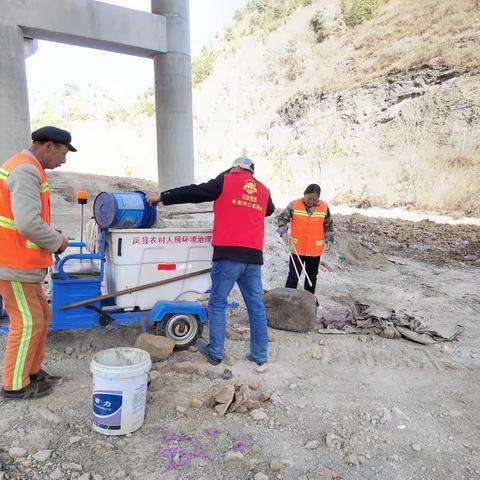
(183, 329)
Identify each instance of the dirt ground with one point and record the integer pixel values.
(331, 406)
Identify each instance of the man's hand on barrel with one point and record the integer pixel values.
(153, 198)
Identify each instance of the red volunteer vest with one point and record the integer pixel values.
(240, 212)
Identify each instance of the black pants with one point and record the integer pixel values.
(311, 267)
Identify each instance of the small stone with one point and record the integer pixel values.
(352, 459)
(317, 353)
(332, 440)
(213, 375)
(221, 409)
(233, 457)
(262, 368)
(97, 477)
(69, 350)
(73, 440)
(276, 465)
(181, 409)
(312, 445)
(227, 360)
(258, 415)
(251, 404)
(186, 367)
(160, 348)
(16, 452)
(225, 394)
(261, 476)
(195, 403)
(85, 476)
(120, 474)
(416, 447)
(42, 455)
(153, 374)
(292, 386)
(57, 474)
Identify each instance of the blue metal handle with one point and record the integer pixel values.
(77, 244)
(74, 256)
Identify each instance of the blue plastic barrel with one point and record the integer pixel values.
(123, 210)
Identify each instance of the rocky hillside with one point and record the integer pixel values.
(376, 100)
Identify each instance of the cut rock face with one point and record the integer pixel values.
(290, 309)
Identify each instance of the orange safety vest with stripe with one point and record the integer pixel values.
(307, 233)
(17, 251)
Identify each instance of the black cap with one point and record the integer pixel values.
(53, 134)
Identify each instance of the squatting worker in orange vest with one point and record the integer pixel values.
(311, 227)
(241, 204)
(27, 242)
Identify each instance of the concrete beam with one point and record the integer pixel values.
(89, 24)
(14, 114)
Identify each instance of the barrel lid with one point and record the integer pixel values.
(104, 209)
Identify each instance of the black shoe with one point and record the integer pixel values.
(202, 346)
(43, 376)
(33, 390)
(251, 359)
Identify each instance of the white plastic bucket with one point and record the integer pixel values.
(120, 378)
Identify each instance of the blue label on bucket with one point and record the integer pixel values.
(107, 409)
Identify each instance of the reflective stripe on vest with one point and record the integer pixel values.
(307, 231)
(17, 251)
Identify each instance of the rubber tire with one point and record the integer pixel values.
(166, 328)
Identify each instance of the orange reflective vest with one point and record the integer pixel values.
(307, 232)
(17, 251)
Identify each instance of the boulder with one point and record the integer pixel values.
(290, 309)
(159, 348)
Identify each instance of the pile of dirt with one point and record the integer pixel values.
(426, 240)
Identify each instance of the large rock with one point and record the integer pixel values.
(159, 348)
(290, 309)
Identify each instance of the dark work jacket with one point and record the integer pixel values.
(209, 192)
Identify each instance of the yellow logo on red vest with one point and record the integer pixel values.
(250, 187)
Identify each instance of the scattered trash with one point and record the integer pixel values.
(180, 450)
(212, 432)
(240, 446)
(382, 321)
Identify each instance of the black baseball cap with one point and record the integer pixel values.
(53, 134)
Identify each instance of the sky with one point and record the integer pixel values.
(119, 74)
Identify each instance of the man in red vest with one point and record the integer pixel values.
(27, 242)
(241, 204)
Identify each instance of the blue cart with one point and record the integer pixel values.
(77, 277)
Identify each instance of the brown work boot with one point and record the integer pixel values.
(33, 390)
(43, 376)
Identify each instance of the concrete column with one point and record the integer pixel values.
(173, 97)
(14, 115)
